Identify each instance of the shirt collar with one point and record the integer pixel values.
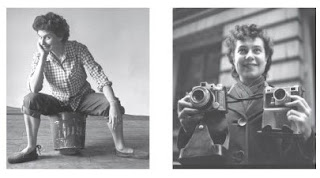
(51, 56)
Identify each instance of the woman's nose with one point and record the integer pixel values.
(250, 55)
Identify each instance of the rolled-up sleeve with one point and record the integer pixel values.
(94, 69)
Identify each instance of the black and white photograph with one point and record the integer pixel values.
(77, 88)
(244, 88)
(160, 88)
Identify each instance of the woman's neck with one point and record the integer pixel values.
(58, 51)
(250, 81)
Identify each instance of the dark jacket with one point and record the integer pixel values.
(246, 147)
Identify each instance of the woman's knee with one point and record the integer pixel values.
(31, 99)
(105, 106)
(106, 111)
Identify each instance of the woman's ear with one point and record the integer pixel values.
(267, 57)
(59, 38)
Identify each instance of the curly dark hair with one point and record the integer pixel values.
(53, 23)
(242, 33)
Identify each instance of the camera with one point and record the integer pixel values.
(209, 97)
(274, 118)
(277, 97)
(208, 144)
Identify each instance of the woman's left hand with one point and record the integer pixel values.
(115, 116)
(300, 115)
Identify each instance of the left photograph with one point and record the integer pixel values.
(77, 88)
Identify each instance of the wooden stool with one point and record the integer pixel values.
(68, 132)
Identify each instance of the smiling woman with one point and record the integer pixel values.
(248, 44)
(48, 40)
(250, 59)
(213, 138)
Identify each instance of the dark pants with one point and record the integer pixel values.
(35, 104)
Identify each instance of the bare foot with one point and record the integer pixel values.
(125, 150)
(136, 154)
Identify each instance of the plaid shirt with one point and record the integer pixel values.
(67, 79)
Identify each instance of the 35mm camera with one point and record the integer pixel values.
(209, 97)
(274, 117)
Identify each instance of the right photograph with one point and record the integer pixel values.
(244, 88)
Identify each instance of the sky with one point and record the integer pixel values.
(117, 38)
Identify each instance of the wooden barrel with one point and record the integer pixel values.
(68, 131)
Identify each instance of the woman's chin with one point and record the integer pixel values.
(249, 76)
(46, 48)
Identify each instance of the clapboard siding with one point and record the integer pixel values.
(232, 17)
(265, 19)
(214, 20)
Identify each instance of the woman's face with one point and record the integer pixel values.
(250, 59)
(48, 40)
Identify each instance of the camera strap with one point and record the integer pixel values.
(236, 100)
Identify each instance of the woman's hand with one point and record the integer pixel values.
(43, 53)
(300, 116)
(188, 116)
(115, 116)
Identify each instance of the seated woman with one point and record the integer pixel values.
(250, 53)
(62, 63)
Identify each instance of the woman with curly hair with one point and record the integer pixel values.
(62, 63)
(250, 54)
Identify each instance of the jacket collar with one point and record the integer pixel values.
(248, 108)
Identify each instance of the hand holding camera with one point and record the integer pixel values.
(202, 113)
(189, 117)
(300, 116)
(201, 100)
(284, 107)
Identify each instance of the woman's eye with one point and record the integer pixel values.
(257, 50)
(242, 51)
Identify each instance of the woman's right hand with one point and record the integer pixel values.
(43, 53)
(188, 116)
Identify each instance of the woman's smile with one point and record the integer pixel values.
(48, 40)
(45, 46)
(250, 65)
(250, 59)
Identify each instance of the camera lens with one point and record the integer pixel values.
(280, 94)
(201, 98)
(198, 95)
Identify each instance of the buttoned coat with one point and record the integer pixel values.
(246, 145)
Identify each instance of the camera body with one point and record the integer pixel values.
(208, 143)
(274, 118)
(208, 97)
